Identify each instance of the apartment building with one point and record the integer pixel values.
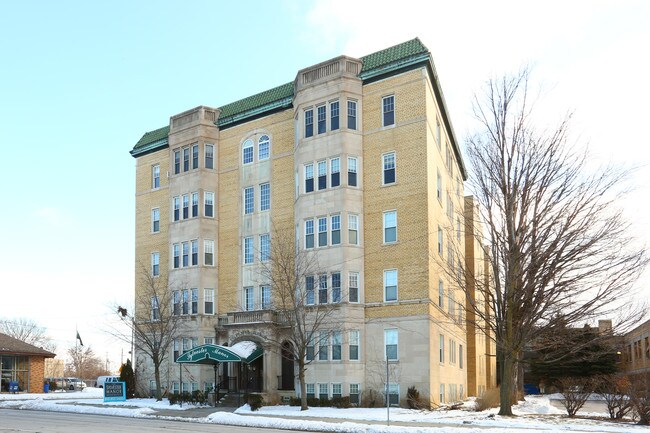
(359, 158)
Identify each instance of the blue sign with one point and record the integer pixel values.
(114, 391)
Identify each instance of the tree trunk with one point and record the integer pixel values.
(156, 370)
(507, 367)
(303, 385)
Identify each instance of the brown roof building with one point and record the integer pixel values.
(22, 363)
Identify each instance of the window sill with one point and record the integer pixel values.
(390, 243)
(388, 184)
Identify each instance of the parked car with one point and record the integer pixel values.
(101, 380)
(73, 383)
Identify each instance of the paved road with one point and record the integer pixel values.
(28, 421)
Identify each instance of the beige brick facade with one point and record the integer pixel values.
(336, 173)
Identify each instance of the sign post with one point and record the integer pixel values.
(114, 391)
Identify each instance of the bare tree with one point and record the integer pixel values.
(303, 314)
(28, 331)
(84, 363)
(152, 324)
(561, 252)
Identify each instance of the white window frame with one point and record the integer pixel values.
(265, 196)
(389, 162)
(309, 231)
(248, 151)
(208, 248)
(353, 283)
(263, 148)
(353, 228)
(155, 264)
(335, 226)
(248, 251)
(155, 176)
(208, 203)
(389, 274)
(155, 218)
(249, 298)
(353, 341)
(353, 167)
(249, 200)
(387, 106)
(265, 297)
(208, 155)
(386, 221)
(265, 247)
(391, 334)
(208, 298)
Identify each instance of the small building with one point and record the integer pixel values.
(22, 363)
(636, 351)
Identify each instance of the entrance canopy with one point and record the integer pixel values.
(244, 351)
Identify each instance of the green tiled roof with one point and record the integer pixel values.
(277, 95)
(151, 140)
(395, 54)
(374, 64)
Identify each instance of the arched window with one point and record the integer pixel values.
(248, 152)
(263, 148)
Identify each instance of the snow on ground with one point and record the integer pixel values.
(536, 414)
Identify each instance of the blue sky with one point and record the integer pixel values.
(82, 81)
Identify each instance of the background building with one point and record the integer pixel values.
(357, 157)
(23, 364)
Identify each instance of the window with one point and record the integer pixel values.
(309, 234)
(155, 173)
(309, 177)
(247, 152)
(155, 309)
(177, 208)
(208, 301)
(442, 349)
(460, 356)
(353, 287)
(176, 303)
(155, 264)
(441, 294)
(265, 196)
(185, 306)
(177, 255)
(195, 252)
(195, 156)
(337, 341)
(155, 220)
(442, 393)
(388, 110)
(390, 285)
(209, 156)
(311, 349)
(322, 114)
(195, 301)
(352, 171)
(309, 123)
(354, 345)
(390, 226)
(208, 253)
(249, 200)
(335, 172)
(177, 161)
(452, 351)
(208, 204)
(310, 390)
(265, 247)
(439, 240)
(177, 353)
(265, 297)
(263, 148)
(323, 390)
(336, 229)
(390, 342)
(322, 289)
(439, 186)
(309, 290)
(451, 304)
(322, 232)
(248, 250)
(186, 254)
(336, 390)
(353, 229)
(393, 394)
(323, 347)
(195, 204)
(248, 299)
(355, 390)
(322, 175)
(458, 229)
(334, 115)
(186, 159)
(438, 140)
(389, 168)
(336, 287)
(186, 206)
(352, 115)
(208, 340)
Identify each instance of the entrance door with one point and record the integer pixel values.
(287, 382)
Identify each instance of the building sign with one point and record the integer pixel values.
(208, 353)
(114, 391)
